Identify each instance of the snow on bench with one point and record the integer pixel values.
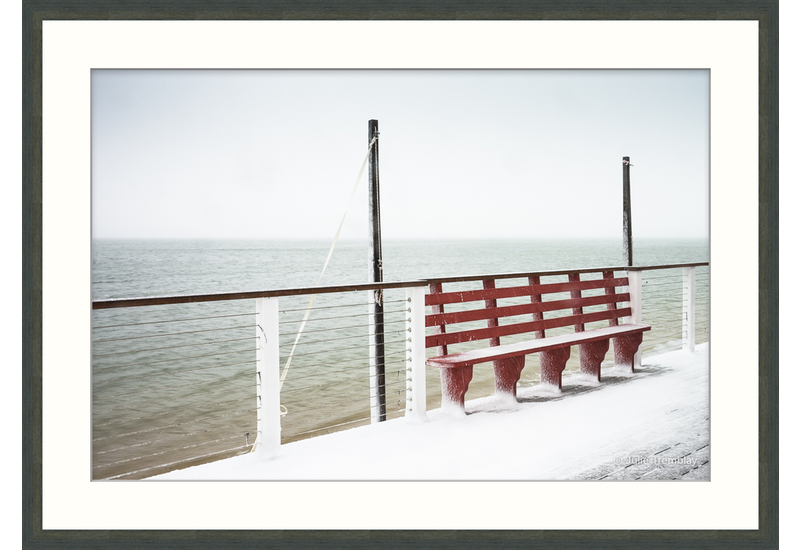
(545, 298)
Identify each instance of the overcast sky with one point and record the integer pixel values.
(463, 154)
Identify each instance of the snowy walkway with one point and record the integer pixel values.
(653, 424)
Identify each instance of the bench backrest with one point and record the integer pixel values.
(564, 311)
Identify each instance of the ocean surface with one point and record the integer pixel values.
(175, 386)
(128, 268)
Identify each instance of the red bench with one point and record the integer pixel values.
(547, 314)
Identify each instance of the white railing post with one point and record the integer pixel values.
(688, 308)
(268, 396)
(416, 396)
(635, 290)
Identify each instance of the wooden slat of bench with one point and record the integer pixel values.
(522, 309)
(518, 328)
(504, 351)
(517, 291)
(436, 288)
(491, 305)
(577, 310)
(536, 299)
(610, 291)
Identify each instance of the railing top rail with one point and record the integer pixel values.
(668, 266)
(193, 298)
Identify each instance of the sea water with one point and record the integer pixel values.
(155, 404)
(131, 268)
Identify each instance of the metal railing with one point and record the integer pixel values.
(172, 385)
(670, 300)
(182, 380)
(179, 380)
(329, 367)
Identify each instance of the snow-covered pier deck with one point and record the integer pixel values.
(649, 425)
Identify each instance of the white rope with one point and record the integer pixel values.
(284, 410)
(327, 260)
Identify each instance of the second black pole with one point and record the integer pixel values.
(627, 239)
(377, 361)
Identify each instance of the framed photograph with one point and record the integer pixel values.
(68, 54)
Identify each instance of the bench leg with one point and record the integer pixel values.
(506, 375)
(455, 382)
(625, 347)
(592, 355)
(553, 362)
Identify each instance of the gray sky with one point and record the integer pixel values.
(463, 154)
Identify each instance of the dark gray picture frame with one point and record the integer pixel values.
(34, 12)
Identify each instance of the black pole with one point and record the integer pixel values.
(376, 273)
(627, 240)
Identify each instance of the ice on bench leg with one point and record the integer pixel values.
(455, 382)
(625, 348)
(552, 363)
(506, 375)
(592, 355)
